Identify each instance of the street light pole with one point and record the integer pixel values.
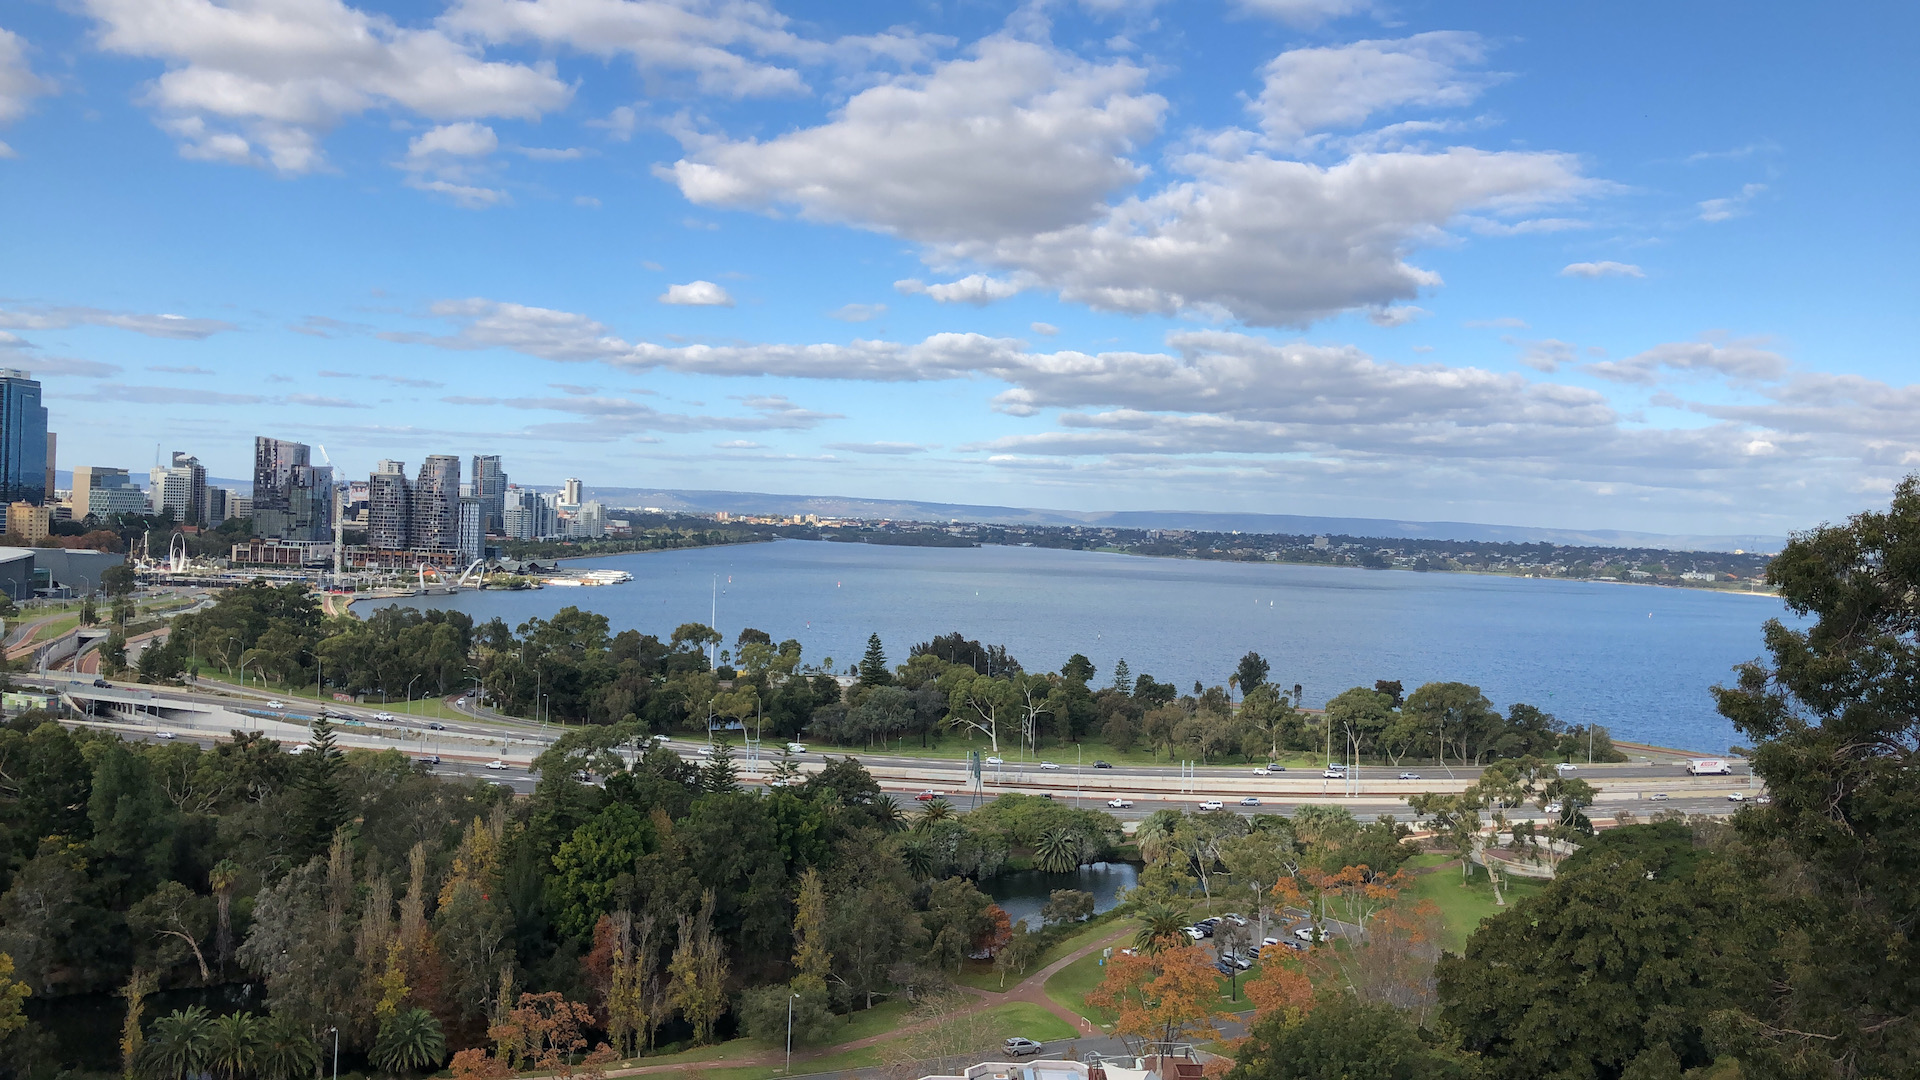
(410, 683)
(790, 1000)
(336, 1054)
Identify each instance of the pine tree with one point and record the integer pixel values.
(1122, 678)
(323, 803)
(719, 774)
(786, 771)
(873, 666)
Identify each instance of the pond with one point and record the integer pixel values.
(1022, 893)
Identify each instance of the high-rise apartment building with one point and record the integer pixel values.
(219, 506)
(389, 507)
(527, 515)
(434, 520)
(100, 492)
(490, 486)
(292, 497)
(473, 534)
(182, 488)
(29, 522)
(588, 520)
(23, 439)
(570, 492)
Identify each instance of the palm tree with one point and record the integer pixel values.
(225, 875)
(409, 1039)
(917, 856)
(233, 1046)
(287, 1051)
(177, 1046)
(1160, 926)
(1155, 835)
(937, 811)
(1058, 850)
(889, 816)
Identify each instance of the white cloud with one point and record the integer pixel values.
(1547, 354)
(976, 289)
(464, 140)
(697, 294)
(606, 417)
(176, 327)
(858, 312)
(468, 196)
(1307, 13)
(1734, 359)
(1045, 328)
(883, 448)
(1338, 87)
(46, 366)
(724, 45)
(1390, 317)
(1733, 206)
(1601, 269)
(259, 81)
(18, 84)
(739, 444)
(1014, 139)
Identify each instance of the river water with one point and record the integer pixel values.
(1638, 659)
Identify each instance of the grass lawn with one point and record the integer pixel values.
(431, 708)
(981, 975)
(1070, 986)
(1063, 756)
(1462, 906)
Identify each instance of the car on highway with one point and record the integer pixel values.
(926, 796)
(1566, 767)
(1658, 796)
(1103, 764)
(165, 734)
(501, 783)
(1335, 774)
(996, 760)
(1213, 804)
(435, 726)
(1764, 800)
(1553, 808)
(1261, 771)
(1337, 766)
(276, 704)
(1735, 796)
(1120, 804)
(1017, 1046)
(1049, 766)
(430, 759)
(383, 717)
(1409, 776)
(796, 748)
(1249, 800)
(496, 764)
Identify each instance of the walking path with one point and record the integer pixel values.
(1030, 990)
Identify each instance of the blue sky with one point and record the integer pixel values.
(1629, 266)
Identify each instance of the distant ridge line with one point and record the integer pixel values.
(840, 506)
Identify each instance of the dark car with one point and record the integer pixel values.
(436, 727)
(1103, 764)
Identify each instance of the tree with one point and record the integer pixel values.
(812, 960)
(977, 704)
(177, 1047)
(1163, 998)
(719, 774)
(699, 972)
(764, 1013)
(321, 795)
(956, 916)
(1161, 926)
(174, 913)
(589, 864)
(12, 993)
(1067, 906)
(873, 666)
(409, 1040)
(1122, 677)
(1078, 669)
(132, 1038)
(1833, 719)
(287, 1050)
(1251, 673)
(117, 580)
(1058, 851)
(1342, 1038)
(233, 1045)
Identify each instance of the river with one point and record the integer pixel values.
(1638, 659)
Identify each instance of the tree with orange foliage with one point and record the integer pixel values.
(477, 1064)
(996, 931)
(1282, 989)
(543, 1033)
(1394, 963)
(1163, 998)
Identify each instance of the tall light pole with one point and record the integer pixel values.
(410, 683)
(791, 998)
(336, 1054)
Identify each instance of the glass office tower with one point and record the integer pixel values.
(23, 439)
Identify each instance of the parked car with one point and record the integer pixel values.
(927, 796)
(996, 760)
(1235, 918)
(1017, 1046)
(1238, 961)
(1120, 804)
(1194, 932)
(1213, 804)
(1049, 766)
(1305, 933)
(1249, 800)
(383, 717)
(1223, 967)
(496, 764)
(1103, 764)
(1409, 776)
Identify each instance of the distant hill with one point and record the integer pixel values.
(749, 502)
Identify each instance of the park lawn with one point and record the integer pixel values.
(981, 975)
(1462, 907)
(431, 708)
(1070, 986)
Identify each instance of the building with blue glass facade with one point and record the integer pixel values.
(23, 439)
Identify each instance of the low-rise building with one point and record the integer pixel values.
(29, 522)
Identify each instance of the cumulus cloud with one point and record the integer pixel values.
(1601, 269)
(977, 289)
(1390, 317)
(175, 327)
(1009, 158)
(697, 294)
(260, 81)
(1341, 86)
(1734, 359)
(1547, 354)
(1047, 329)
(18, 84)
(448, 161)
(734, 48)
(464, 139)
(1733, 206)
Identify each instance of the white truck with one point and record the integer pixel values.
(1709, 766)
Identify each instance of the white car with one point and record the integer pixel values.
(1305, 933)
(1565, 767)
(1409, 776)
(276, 704)
(1735, 796)
(1120, 804)
(1335, 774)
(1250, 800)
(1260, 771)
(796, 748)
(1658, 796)
(996, 760)
(383, 717)
(1049, 766)
(1213, 804)
(496, 764)
(165, 734)
(1553, 808)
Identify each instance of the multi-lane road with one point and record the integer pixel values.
(467, 744)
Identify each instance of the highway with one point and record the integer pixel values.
(465, 746)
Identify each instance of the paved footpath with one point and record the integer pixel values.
(1031, 989)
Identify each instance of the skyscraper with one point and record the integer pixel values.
(292, 498)
(434, 521)
(570, 493)
(99, 492)
(473, 538)
(52, 440)
(490, 485)
(389, 506)
(23, 439)
(182, 488)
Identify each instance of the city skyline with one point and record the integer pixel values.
(1400, 260)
